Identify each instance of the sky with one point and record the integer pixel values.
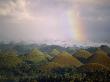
(52, 20)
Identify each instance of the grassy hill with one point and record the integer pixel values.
(66, 59)
(82, 55)
(100, 57)
(36, 56)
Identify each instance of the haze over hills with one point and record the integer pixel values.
(63, 43)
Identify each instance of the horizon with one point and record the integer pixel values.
(59, 43)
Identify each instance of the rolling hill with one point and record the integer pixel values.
(82, 55)
(100, 57)
(36, 56)
(66, 59)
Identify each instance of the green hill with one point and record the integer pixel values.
(82, 55)
(66, 59)
(100, 57)
(36, 56)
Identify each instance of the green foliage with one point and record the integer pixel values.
(93, 67)
(9, 60)
(94, 72)
(50, 67)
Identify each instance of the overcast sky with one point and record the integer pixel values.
(39, 20)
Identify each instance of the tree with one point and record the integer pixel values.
(9, 60)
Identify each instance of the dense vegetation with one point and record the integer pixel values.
(35, 63)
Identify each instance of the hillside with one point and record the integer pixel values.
(54, 52)
(93, 67)
(105, 49)
(36, 56)
(66, 59)
(82, 55)
(100, 57)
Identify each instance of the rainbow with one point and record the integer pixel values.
(76, 26)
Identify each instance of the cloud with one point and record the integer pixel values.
(72, 2)
(16, 9)
(24, 9)
(95, 2)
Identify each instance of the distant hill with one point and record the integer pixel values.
(23, 48)
(91, 49)
(93, 67)
(49, 48)
(66, 59)
(82, 55)
(100, 57)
